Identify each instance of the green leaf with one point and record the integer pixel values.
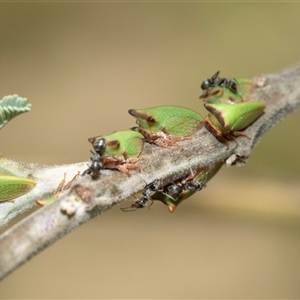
(12, 187)
(12, 106)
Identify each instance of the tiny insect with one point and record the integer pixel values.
(94, 167)
(189, 183)
(99, 145)
(226, 121)
(95, 163)
(174, 193)
(166, 125)
(177, 189)
(119, 150)
(145, 197)
(215, 80)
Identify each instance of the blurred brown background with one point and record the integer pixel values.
(82, 66)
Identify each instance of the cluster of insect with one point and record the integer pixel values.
(230, 111)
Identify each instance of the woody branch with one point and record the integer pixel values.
(279, 91)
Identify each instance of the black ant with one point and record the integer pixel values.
(95, 164)
(177, 189)
(146, 196)
(187, 184)
(215, 80)
(94, 167)
(98, 144)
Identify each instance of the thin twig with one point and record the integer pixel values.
(87, 199)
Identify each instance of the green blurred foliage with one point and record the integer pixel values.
(82, 66)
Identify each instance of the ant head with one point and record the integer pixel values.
(99, 145)
(153, 186)
(174, 189)
(210, 82)
(206, 84)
